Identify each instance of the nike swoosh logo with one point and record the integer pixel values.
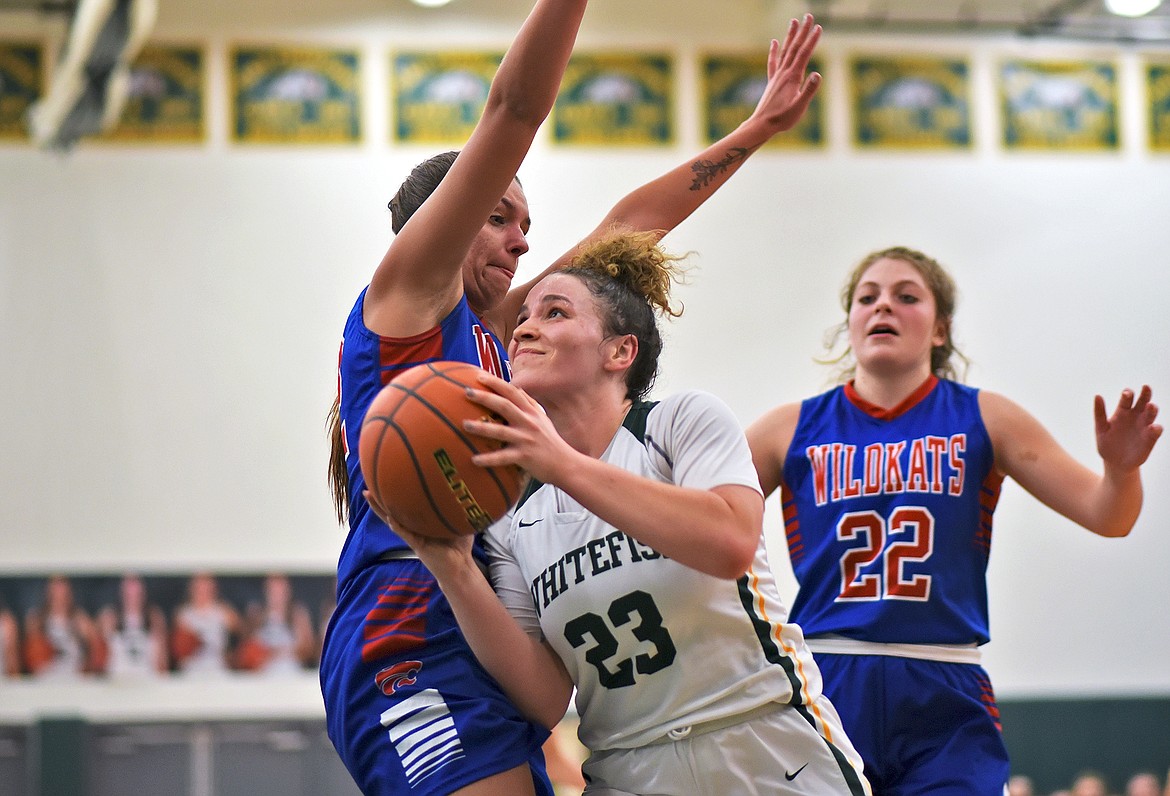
(524, 524)
(793, 775)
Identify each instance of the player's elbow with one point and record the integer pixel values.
(549, 717)
(516, 108)
(1117, 521)
(742, 529)
(736, 557)
(1113, 529)
(544, 707)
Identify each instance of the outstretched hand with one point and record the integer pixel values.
(789, 91)
(1126, 439)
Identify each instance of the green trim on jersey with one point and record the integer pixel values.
(775, 655)
(771, 651)
(634, 422)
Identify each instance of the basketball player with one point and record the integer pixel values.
(394, 664)
(210, 619)
(135, 632)
(61, 638)
(634, 568)
(280, 629)
(888, 483)
(9, 644)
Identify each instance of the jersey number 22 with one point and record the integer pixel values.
(907, 536)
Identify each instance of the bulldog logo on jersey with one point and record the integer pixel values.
(394, 677)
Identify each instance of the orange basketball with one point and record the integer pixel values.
(99, 655)
(38, 652)
(252, 655)
(416, 457)
(184, 643)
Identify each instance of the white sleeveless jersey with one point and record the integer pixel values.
(68, 653)
(210, 624)
(651, 645)
(133, 650)
(277, 635)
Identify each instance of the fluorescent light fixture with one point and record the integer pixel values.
(437, 3)
(1130, 8)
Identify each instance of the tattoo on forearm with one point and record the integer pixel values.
(706, 170)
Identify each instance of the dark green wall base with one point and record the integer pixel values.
(1051, 740)
(59, 746)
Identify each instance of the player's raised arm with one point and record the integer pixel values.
(421, 271)
(666, 201)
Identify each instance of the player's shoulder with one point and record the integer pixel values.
(778, 418)
(959, 388)
(829, 397)
(690, 401)
(691, 417)
(787, 416)
(999, 411)
(688, 409)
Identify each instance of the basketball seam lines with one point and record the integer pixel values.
(389, 422)
(460, 433)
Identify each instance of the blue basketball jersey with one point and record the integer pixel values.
(408, 707)
(367, 363)
(888, 516)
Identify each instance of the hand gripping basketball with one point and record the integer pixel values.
(416, 457)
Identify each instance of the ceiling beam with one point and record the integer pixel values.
(43, 6)
(1053, 17)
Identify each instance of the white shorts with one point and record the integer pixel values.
(799, 751)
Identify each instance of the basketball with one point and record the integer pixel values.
(184, 643)
(99, 655)
(252, 655)
(416, 457)
(38, 652)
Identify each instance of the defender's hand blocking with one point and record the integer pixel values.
(788, 93)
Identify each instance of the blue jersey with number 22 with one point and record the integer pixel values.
(888, 516)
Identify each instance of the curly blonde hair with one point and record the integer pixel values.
(630, 276)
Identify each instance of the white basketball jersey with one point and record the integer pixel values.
(277, 635)
(133, 650)
(68, 654)
(210, 624)
(652, 645)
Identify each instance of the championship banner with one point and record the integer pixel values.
(616, 100)
(1066, 106)
(910, 103)
(21, 83)
(438, 97)
(283, 95)
(732, 86)
(1158, 90)
(167, 95)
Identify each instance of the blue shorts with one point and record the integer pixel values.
(408, 707)
(922, 727)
